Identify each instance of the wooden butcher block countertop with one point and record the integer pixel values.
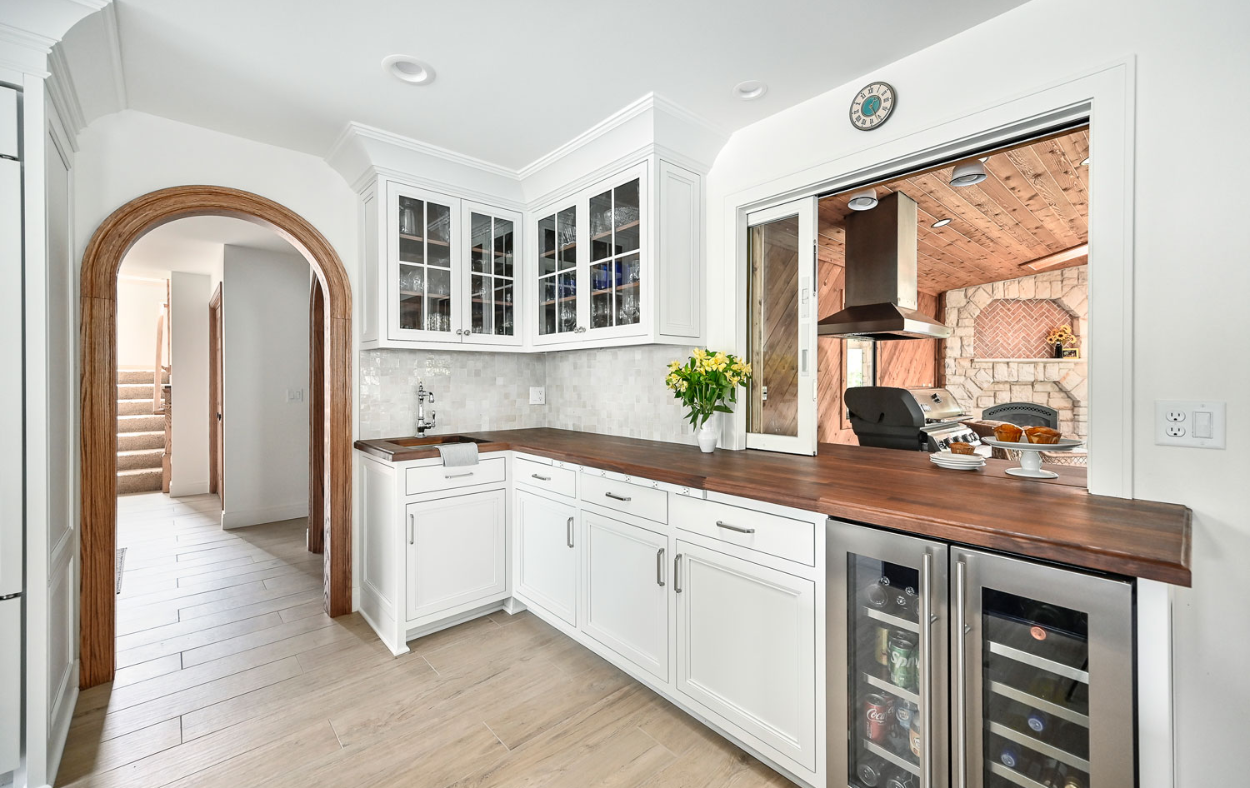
(1057, 521)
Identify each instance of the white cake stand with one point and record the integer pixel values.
(1031, 456)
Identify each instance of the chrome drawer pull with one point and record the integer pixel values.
(569, 533)
(737, 528)
(615, 497)
(457, 475)
(541, 478)
(412, 529)
(659, 568)
(677, 573)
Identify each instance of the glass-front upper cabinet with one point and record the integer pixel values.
(423, 232)
(592, 262)
(492, 276)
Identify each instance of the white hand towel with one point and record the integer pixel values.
(458, 453)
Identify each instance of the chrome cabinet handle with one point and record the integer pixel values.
(926, 670)
(457, 475)
(541, 478)
(737, 528)
(615, 497)
(677, 573)
(659, 568)
(959, 720)
(569, 533)
(412, 529)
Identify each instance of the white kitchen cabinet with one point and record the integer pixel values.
(455, 552)
(439, 271)
(619, 262)
(746, 647)
(626, 600)
(547, 554)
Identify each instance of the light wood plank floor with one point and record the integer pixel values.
(229, 674)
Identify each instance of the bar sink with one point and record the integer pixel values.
(435, 440)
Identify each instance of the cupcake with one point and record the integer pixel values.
(1008, 433)
(958, 447)
(1042, 435)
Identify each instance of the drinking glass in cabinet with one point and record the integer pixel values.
(503, 247)
(547, 306)
(626, 217)
(566, 223)
(503, 310)
(601, 226)
(883, 679)
(438, 235)
(480, 243)
(1036, 703)
(547, 245)
(410, 212)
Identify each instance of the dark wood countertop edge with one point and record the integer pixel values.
(1028, 545)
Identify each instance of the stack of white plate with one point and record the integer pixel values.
(958, 462)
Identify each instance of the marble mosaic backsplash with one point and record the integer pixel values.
(610, 391)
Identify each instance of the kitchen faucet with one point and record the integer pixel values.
(422, 396)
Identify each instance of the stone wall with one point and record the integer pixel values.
(978, 380)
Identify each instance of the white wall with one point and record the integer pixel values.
(139, 301)
(188, 364)
(1190, 274)
(265, 312)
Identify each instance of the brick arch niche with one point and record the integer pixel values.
(1017, 328)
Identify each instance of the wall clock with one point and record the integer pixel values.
(872, 106)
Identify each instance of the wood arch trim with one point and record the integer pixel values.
(98, 401)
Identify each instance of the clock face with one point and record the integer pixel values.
(872, 106)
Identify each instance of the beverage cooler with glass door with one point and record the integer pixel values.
(955, 667)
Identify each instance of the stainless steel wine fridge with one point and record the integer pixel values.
(955, 667)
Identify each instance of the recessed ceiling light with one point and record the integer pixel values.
(863, 200)
(968, 173)
(408, 69)
(941, 222)
(750, 90)
(1085, 162)
(983, 159)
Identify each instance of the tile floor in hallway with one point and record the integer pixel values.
(229, 674)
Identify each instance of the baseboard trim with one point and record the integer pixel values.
(269, 514)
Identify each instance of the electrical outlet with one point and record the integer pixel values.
(1196, 423)
(538, 395)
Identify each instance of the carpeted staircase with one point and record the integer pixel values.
(140, 434)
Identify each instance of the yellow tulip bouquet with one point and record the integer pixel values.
(707, 383)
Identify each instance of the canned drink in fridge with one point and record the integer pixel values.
(901, 779)
(904, 712)
(914, 738)
(876, 720)
(903, 660)
(871, 771)
(882, 645)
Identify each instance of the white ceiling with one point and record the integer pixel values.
(194, 246)
(514, 79)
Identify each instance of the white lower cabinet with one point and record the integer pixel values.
(626, 603)
(455, 551)
(746, 647)
(547, 555)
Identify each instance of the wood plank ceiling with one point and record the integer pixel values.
(1033, 204)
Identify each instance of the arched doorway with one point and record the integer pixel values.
(98, 404)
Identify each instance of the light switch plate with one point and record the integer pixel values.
(1196, 423)
(538, 395)
(294, 395)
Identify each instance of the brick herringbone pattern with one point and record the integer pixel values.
(1017, 329)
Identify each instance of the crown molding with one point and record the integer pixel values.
(355, 130)
(112, 34)
(613, 121)
(676, 110)
(64, 96)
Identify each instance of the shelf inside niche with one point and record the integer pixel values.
(1052, 360)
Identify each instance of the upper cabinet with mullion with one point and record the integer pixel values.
(493, 276)
(425, 285)
(619, 262)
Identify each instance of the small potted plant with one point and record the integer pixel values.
(707, 384)
(1061, 337)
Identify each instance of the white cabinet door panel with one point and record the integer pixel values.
(10, 683)
(626, 592)
(546, 543)
(746, 647)
(455, 551)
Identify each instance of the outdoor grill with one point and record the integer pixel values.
(920, 419)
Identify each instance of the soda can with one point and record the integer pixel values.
(882, 645)
(901, 779)
(876, 722)
(904, 712)
(870, 771)
(903, 660)
(914, 738)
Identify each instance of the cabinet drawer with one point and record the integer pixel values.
(794, 540)
(632, 499)
(429, 478)
(546, 477)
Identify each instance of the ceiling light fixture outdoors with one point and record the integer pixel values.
(750, 90)
(408, 69)
(941, 222)
(968, 173)
(863, 200)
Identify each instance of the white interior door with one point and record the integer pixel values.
(781, 327)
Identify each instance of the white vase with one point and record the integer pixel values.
(708, 434)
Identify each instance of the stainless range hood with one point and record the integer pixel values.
(881, 277)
